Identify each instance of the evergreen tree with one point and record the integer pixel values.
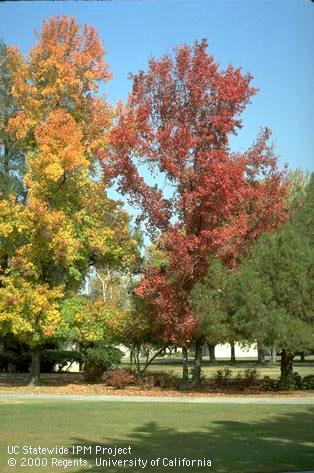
(11, 155)
(271, 300)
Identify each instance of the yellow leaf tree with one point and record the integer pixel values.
(68, 223)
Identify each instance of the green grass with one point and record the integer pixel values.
(237, 438)
(304, 369)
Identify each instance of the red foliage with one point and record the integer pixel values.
(179, 116)
(120, 378)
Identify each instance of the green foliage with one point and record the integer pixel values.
(12, 159)
(297, 379)
(156, 256)
(303, 217)
(49, 358)
(87, 322)
(222, 377)
(70, 309)
(298, 187)
(6, 358)
(250, 377)
(140, 332)
(243, 380)
(296, 383)
(246, 379)
(308, 382)
(60, 358)
(100, 359)
(104, 357)
(269, 384)
(209, 305)
(272, 298)
(286, 384)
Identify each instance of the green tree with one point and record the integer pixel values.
(209, 307)
(303, 217)
(272, 297)
(86, 322)
(12, 159)
(298, 188)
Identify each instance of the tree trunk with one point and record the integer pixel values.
(152, 358)
(261, 356)
(196, 377)
(211, 352)
(185, 365)
(35, 368)
(232, 357)
(273, 354)
(286, 367)
(302, 356)
(81, 350)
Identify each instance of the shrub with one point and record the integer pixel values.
(120, 378)
(286, 385)
(250, 377)
(147, 380)
(161, 379)
(238, 380)
(46, 364)
(92, 373)
(24, 361)
(49, 358)
(291, 384)
(222, 377)
(61, 358)
(245, 379)
(297, 381)
(21, 361)
(103, 356)
(165, 379)
(269, 384)
(5, 359)
(100, 359)
(308, 382)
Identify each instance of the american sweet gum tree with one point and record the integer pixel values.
(67, 222)
(178, 120)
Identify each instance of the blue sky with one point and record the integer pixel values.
(271, 39)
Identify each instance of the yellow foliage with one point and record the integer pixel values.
(29, 310)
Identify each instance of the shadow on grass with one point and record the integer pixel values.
(280, 443)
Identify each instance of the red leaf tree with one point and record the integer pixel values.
(178, 120)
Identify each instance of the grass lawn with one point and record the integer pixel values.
(237, 438)
(303, 368)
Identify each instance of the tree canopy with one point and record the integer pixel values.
(273, 294)
(67, 222)
(178, 121)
